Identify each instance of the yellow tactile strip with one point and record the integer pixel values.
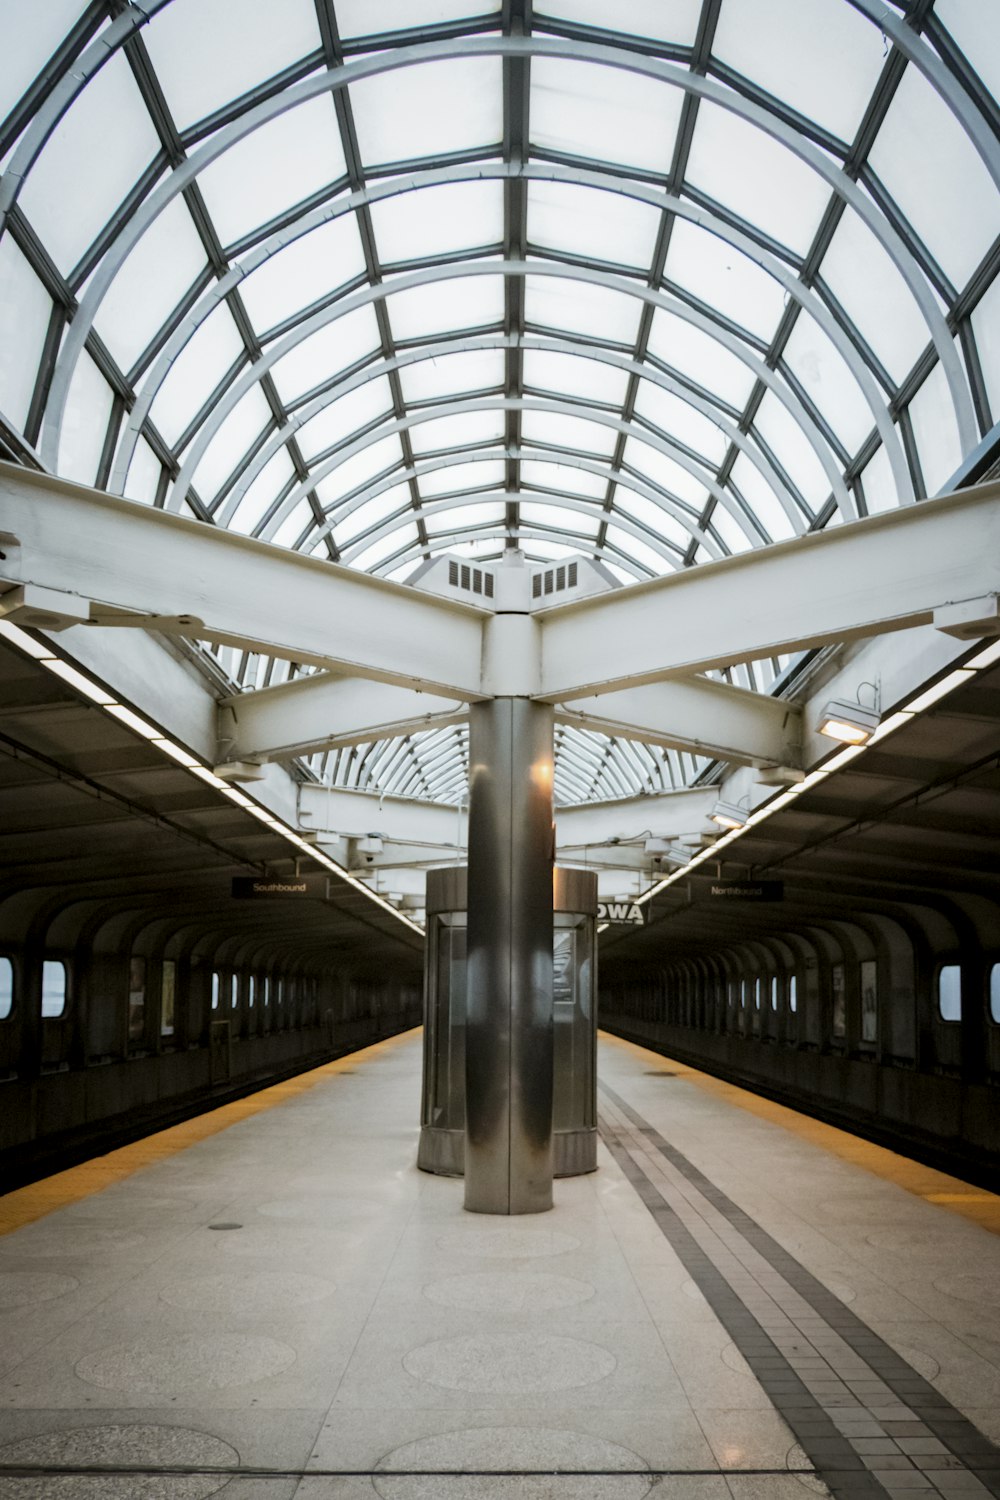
(26, 1204)
(982, 1207)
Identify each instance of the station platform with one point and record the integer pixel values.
(271, 1301)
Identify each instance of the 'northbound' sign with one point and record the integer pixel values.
(748, 890)
(627, 913)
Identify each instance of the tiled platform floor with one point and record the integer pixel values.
(288, 1308)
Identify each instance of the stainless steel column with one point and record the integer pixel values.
(508, 1045)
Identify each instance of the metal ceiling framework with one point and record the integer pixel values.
(613, 401)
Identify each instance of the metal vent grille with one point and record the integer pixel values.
(473, 580)
(555, 580)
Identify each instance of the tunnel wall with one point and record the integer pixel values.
(888, 1027)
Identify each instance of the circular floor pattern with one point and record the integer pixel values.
(274, 1242)
(509, 1364)
(508, 1292)
(316, 1206)
(185, 1362)
(508, 1243)
(482, 1448)
(71, 1240)
(112, 1446)
(924, 1364)
(232, 1293)
(25, 1288)
(692, 1290)
(941, 1240)
(732, 1357)
(797, 1458)
(984, 1291)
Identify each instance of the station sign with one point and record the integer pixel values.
(622, 913)
(747, 890)
(281, 888)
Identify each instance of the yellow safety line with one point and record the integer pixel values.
(958, 1197)
(26, 1204)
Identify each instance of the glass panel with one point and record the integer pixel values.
(462, 476)
(361, 18)
(573, 375)
(676, 418)
(535, 474)
(733, 537)
(277, 165)
(722, 277)
(792, 448)
(754, 175)
(839, 1012)
(342, 418)
(144, 474)
(325, 353)
(429, 109)
(372, 513)
(630, 546)
(160, 270)
(234, 991)
(94, 156)
(358, 470)
(592, 224)
(936, 431)
(995, 993)
(924, 158)
(865, 282)
(458, 517)
(308, 269)
(168, 987)
(826, 378)
(774, 992)
(878, 484)
(701, 358)
(53, 988)
(195, 373)
(869, 1000)
(762, 500)
(433, 221)
(676, 22)
(378, 551)
(216, 985)
(6, 988)
(453, 374)
(468, 302)
(558, 431)
(986, 324)
(136, 997)
(551, 515)
(291, 529)
(826, 66)
(25, 309)
(974, 27)
(648, 513)
(664, 472)
(793, 994)
(262, 493)
(949, 992)
(234, 438)
(30, 36)
(86, 424)
(606, 113)
(457, 432)
(582, 307)
(208, 52)
(251, 991)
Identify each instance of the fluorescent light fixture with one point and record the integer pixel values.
(134, 721)
(40, 650)
(851, 723)
(940, 690)
(80, 681)
(985, 658)
(843, 757)
(728, 815)
(176, 752)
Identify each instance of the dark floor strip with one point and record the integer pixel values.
(837, 1460)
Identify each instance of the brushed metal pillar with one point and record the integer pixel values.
(509, 1035)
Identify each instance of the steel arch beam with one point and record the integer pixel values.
(696, 84)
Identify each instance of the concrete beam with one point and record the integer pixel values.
(132, 565)
(323, 712)
(884, 573)
(698, 715)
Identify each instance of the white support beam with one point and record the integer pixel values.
(136, 566)
(698, 715)
(323, 712)
(662, 815)
(887, 572)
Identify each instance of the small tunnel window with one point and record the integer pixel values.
(793, 993)
(6, 988)
(168, 997)
(251, 991)
(234, 991)
(53, 988)
(949, 992)
(216, 986)
(136, 996)
(994, 993)
(774, 992)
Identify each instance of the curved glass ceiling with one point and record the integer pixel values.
(379, 280)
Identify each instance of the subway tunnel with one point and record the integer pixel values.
(499, 534)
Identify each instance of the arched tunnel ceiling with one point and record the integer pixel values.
(380, 280)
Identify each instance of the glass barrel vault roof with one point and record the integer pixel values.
(377, 279)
